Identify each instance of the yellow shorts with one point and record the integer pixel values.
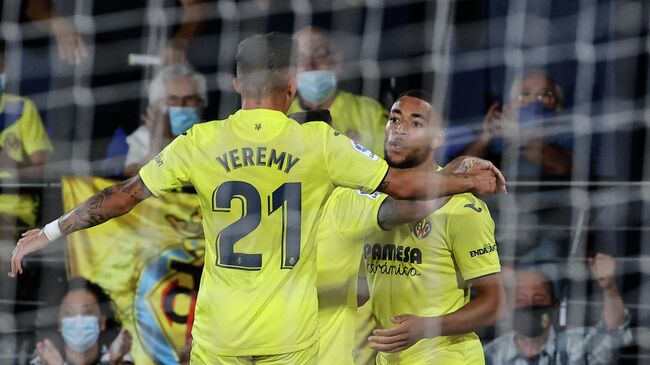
(308, 356)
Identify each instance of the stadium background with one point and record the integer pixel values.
(466, 52)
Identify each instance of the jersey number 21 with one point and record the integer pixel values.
(251, 217)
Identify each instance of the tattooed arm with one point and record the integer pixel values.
(476, 175)
(393, 213)
(109, 203)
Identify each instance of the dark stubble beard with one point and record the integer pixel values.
(412, 160)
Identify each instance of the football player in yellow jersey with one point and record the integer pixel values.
(23, 140)
(351, 217)
(262, 179)
(420, 275)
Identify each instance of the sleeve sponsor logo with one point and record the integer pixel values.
(486, 249)
(159, 160)
(373, 196)
(366, 152)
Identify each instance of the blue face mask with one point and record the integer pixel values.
(80, 333)
(316, 86)
(182, 118)
(533, 113)
(3, 80)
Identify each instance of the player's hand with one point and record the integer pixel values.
(48, 353)
(71, 46)
(603, 267)
(484, 182)
(410, 329)
(485, 165)
(476, 169)
(32, 240)
(120, 347)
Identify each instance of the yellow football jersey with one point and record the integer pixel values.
(262, 179)
(359, 117)
(21, 134)
(21, 129)
(424, 269)
(348, 216)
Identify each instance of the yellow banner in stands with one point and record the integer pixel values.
(148, 260)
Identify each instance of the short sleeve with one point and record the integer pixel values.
(354, 213)
(471, 232)
(352, 165)
(34, 134)
(170, 169)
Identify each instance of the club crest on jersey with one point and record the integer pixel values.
(422, 228)
(371, 155)
(11, 142)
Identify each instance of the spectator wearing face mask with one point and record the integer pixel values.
(359, 117)
(23, 140)
(525, 133)
(85, 320)
(24, 150)
(177, 98)
(534, 339)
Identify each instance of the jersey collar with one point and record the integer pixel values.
(258, 124)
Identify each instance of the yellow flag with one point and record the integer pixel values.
(149, 261)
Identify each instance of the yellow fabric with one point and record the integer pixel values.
(349, 215)
(365, 323)
(359, 117)
(117, 253)
(423, 269)
(308, 356)
(23, 132)
(258, 288)
(21, 206)
(466, 350)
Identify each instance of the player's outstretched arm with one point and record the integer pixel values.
(464, 174)
(111, 202)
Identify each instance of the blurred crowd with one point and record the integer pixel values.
(72, 104)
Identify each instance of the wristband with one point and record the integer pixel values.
(52, 230)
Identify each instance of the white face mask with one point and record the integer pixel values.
(80, 333)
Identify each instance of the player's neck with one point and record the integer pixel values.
(428, 164)
(271, 102)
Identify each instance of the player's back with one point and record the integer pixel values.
(262, 179)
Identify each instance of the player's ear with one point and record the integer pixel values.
(235, 84)
(291, 91)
